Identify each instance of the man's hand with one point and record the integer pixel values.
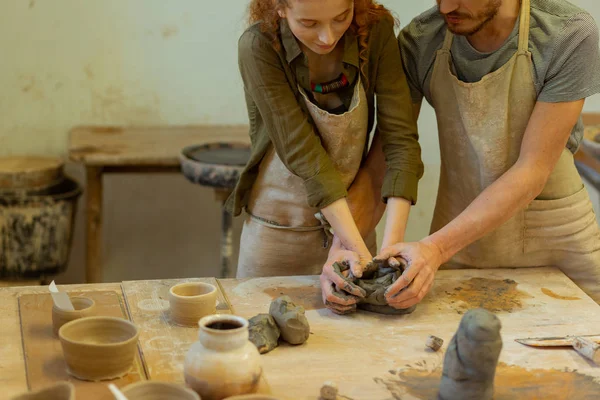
(423, 260)
(339, 293)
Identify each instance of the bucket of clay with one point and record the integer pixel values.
(36, 229)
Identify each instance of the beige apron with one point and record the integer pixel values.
(481, 127)
(282, 235)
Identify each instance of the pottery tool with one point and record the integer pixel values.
(588, 345)
(116, 392)
(61, 299)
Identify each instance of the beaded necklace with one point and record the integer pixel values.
(331, 86)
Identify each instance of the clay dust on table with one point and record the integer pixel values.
(307, 297)
(512, 382)
(495, 295)
(550, 293)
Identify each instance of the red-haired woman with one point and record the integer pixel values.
(312, 70)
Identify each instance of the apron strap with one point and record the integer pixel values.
(448, 40)
(524, 26)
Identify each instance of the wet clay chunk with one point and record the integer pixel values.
(290, 319)
(434, 342)
(471, 358)
(264, 333)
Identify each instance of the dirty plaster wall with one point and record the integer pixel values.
(69, 62)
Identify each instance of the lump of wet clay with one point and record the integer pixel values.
(377, 277)
(264, 332)
(290, 319)
(471, 359)
(434, 343)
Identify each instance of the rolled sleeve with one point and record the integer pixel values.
(396, 123)
(294, 138)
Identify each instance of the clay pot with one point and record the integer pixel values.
(59, 391)
(191, 301)
(98, 348)
(84, 307)
(223, 362)
(152, 390)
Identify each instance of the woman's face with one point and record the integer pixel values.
(319, 24)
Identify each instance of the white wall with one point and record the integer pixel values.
(68, 62)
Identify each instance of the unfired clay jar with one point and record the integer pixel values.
(84, 307)
(191, 301)
(223, 362)
(59, 391)
(99, 348)
(153, 390)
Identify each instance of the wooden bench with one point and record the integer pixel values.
(114, 149)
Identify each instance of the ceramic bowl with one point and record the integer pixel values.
(98, 348)
(191, 301)
(59, 391)
(153, 390)
(84, 307)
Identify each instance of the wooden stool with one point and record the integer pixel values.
(217, 165)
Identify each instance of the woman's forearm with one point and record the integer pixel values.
(339, 217)
(396, 221)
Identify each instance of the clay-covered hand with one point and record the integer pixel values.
(340, 294)
(423, 259)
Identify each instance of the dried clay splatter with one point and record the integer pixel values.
(307, 297)
(550, 293)
(495, 295)
(512, 382)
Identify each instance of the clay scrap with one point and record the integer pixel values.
(264, 332)
(285, 320)
(329, 391)
(375, 280)
(471, 359)
(434, 343)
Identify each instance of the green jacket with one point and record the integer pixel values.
(278, 115)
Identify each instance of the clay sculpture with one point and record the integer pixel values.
(471, 359)
(264, 332)
(191, 301)
(153, 390)
(58, 391)
(98, 348)
(290, 319)
(376, 279)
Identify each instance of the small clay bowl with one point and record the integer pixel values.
(59, 391)
(191, 301)
(84, 307)
(98, 348)
(153, 390)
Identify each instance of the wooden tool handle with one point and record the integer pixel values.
(587, 348)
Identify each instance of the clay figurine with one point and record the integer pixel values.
(290, 319)
(471, 358)
(264, 332)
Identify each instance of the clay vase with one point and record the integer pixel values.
(98, 348)
(84, 307)
(153, 390)
(59, 391)
(191, 301)
(223, 362)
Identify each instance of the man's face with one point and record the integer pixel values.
(467, 17)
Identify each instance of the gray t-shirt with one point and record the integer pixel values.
(563, 41)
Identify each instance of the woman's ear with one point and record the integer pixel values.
(281, 14)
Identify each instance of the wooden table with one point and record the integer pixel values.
(111, 149)
(377, 357)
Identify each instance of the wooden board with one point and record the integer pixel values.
(44, 360)
(145, 145)
(377, 357)
(164, 344)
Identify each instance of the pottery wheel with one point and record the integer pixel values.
(217, 165)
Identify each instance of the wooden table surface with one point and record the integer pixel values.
(377, 357)
(145, 145)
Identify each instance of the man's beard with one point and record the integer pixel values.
(482, 19)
